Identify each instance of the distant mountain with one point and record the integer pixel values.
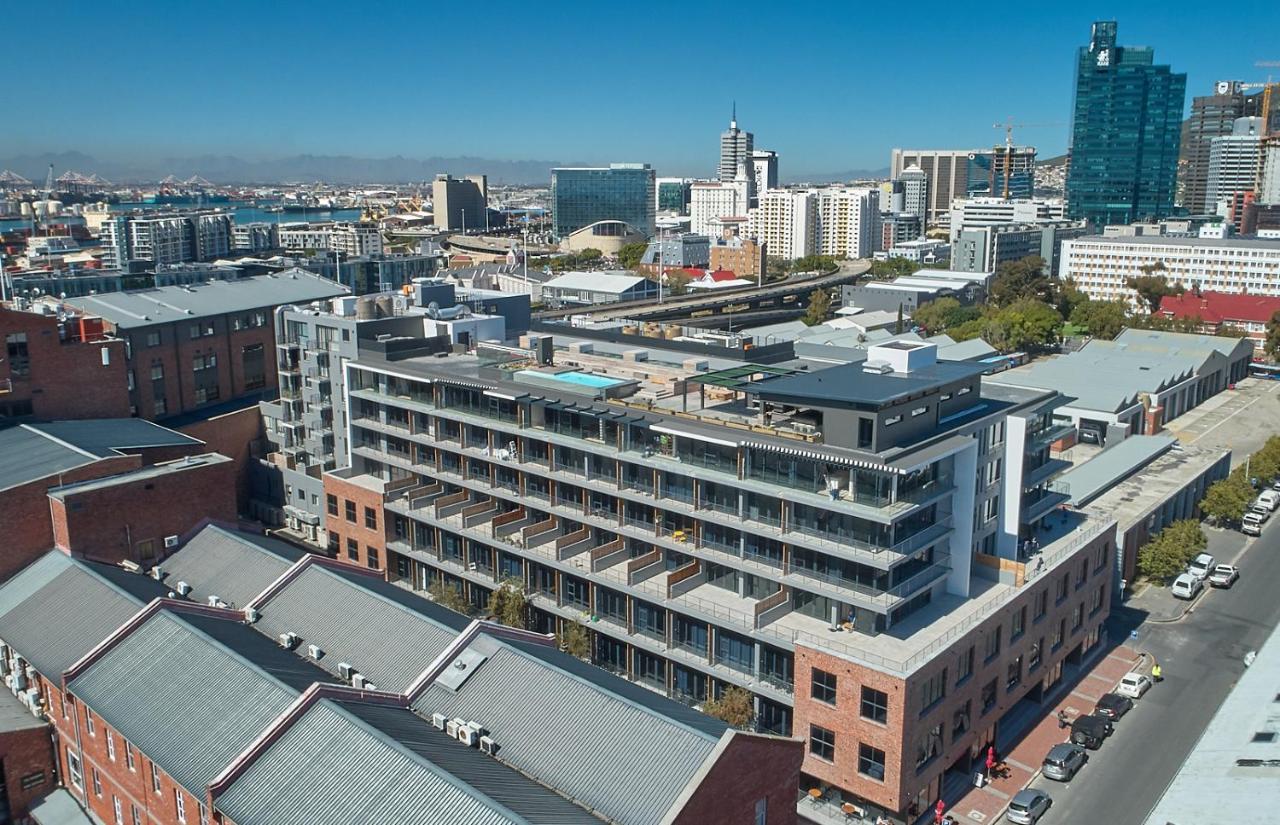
(837, 177)
(1060, 160)
(293, 169)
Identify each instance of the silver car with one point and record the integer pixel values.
(1062, 761)
(1028, 806)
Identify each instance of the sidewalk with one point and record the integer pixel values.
(982, 806)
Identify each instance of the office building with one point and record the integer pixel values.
(899, 227)
(737, 149)
(1102, 266)
(1126, 131)
(847, 222)
(191, 347)
(950, 174)
(1234, 162)
(1211, 116)
(919, 250)
(583, 196)
(764, 169)
(711, 201)
(985, 248)
(685, 250)
(972, 213)
(836, 556)
(166, 239)
(673, 195)
(1013, 172)
(459, 205)
(787, 222)
(915, 192)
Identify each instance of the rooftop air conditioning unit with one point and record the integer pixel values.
(131, 566)
(469, 734)
(451, 727)
(251, 615)
(288, 640)
(881, 367)
(170, 542)
(346, 671)
(183, 588)
(315, 652)
(157, 573)
(488, 745)
(214, 601)
(438, 720)
(358, 681)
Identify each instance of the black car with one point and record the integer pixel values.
(1113, 706)
(1090, 731)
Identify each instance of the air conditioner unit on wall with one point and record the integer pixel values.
(488, 745)
(315, 652)
(358, 681)
(288, 640)
(170, 542)
(346, 671)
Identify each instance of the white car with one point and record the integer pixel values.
(1224, 575)
(1187, 586)
(1201, 566)
(1133, 685)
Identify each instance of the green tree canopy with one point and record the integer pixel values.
(677, 283)
(1272, 344)
(1027, 324)
(1103, 319)
(814, 263)
(509, 605)
(1226, 500)
(1025, 278)
(891, 268)
(450, 596)
(1167, 553)
(630, 254)
(1151, 286)
(943, 315)
(819, 308)
(574, 639)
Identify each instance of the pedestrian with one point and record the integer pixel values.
(1157, 675)
(1062, 719)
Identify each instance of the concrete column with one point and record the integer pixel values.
(1015, 441)
(962, 501)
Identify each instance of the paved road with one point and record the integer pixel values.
(1201, 656)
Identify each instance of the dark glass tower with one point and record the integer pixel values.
(1125, 132)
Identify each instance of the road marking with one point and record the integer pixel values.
(977, 816)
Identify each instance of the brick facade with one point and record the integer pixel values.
(130, 519)
(232, 434)
(64, 376)
(769, 767)
(908, 787)
(355, 539)
(26, 759)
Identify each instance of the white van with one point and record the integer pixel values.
(1187, 586)
(1251, 524)
(1269, 499)
(1201, 566)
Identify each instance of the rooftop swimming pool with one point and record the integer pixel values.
(582, 379)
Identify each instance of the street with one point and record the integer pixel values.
(1201, 655)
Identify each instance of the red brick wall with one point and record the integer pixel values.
(231, 434)
(355, 530)
(27, 754)
(130, 520)
(750, 769)
(67, 380)
(24, 512)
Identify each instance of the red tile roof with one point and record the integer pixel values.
(1219, 307)
(723, 275)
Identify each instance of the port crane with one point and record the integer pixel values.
(1009, 125)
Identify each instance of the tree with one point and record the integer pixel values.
(630, 254)
(677, 283)
(897, 328)
(1272, 343)
(1167, 553)
(819, 308)
(775, 268)
(1226, 500)
(1229, 331)
(1103, 319)
(891, 268)
(1025, 278)
(450, 596)
(574, 639)
(509, 605)
(734, 707)
(1026, 324)
(1152, 286)
(814, 263)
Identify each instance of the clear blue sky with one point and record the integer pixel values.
(829, 85)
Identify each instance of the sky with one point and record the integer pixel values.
(830, 86)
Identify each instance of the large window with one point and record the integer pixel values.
(870, 761)
(822, 743)
(875, 705)
(933, 689)
(929, 746)
(19, 356)
(966, 665)
(824, 686)
(75, 772)
(254, 362)
(993, 645)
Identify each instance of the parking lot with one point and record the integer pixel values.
(1241, 419)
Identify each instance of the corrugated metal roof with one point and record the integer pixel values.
(617, 281)
(167, 304)
(232, 566)
(328, 767)
(185, 700)
(353, 622)
(597, 745)
(56, 609)
(105, 436)
(26, 455)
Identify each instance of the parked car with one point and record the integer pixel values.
(1224, 575)
(1269, 499)
(1275, 485)
(1187, 586)
(1251, 524)
(1134, 684)
(1202, 565)
(1090, 731)
(1063, 761)
(1113, 706)
(1027, 806)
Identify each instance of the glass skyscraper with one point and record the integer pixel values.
(1125, 132)
(582, 196)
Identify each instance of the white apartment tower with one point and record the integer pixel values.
(736, 148)
(1233, 162)
(915, 192)
(847, 222)
(764, 164)
(787, 221)
(713, 200)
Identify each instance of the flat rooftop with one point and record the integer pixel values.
(154, 471)
(1130, 499)
(850, 384)
(1090, 479)
(1170, 240)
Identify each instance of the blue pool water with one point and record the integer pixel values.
(580, 378)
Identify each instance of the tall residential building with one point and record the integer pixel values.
(950, 173)
(847, 222)
(1269, 191)
(166, 239)
(985, 248)
(713, 200)
(582, 196)
(460, 204)
(1211, 116)
(1234, 163)
(786, 221)
(1126, 130)
(915, 192)
(356, 238)
(764, 169)
(736, 149)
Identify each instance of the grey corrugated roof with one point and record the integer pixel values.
(353, 622)
(15, 716)
(307, 776)
(185, 700)
(965, 350)
(106, 436)
(580, 732)
(56, 609)
(156, 473)
(1087, 481)
(232, 566)
(59, 808)
(1186, 343)
(26, 455)
(167, 304)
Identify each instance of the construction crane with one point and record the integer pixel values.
(1008, 127)
(1267, 89)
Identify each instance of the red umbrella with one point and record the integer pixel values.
(991, 757)
(938, 811)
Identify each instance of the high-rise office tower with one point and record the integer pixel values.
(1211, 116)
(459, 204)
(581, 196)
(1013, 172)
(1125, 134)
(736, 147)
(915, 191)
(764, 163)
(1234, 162)
(951, 174)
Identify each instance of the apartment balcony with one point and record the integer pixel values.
(1048, 435)
(1038, 504)
(1048, 470)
